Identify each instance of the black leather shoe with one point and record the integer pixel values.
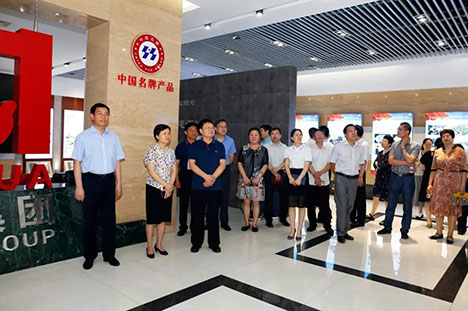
(269, 224)
(112, 261)
(285, 223)
(149, 255)
(88, 264)
(436, 236)
(329, 231)
(216, 249)
(341, 239)
(254, 229)
(181, 232)
(356, 225)
(384, 231)
(195, 249)
(311, 228)
(404, 235)
(226, 227)
(157, 250)
(348, 237)
(245, 228)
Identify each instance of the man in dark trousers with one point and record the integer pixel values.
(358, 214)
(97, 155)
(184, 176)
(207, 160)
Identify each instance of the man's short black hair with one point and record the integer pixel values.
(189, 125)
(359, 130)
(266, 128)
(276, 129)
(324, 130)
(406, 126)
(346, 128)
(159, 128)
(312, 131)
(219, 121)
(203, 122)
(99, 105)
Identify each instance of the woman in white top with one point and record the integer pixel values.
(297, 159)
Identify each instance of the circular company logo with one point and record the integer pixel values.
(147, 53)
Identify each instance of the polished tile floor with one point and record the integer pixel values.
(259, 271)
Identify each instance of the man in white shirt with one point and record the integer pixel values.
(319, 180)
(275, 178)
(358, 214)
(348, 164)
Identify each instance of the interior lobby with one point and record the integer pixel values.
(288, 64)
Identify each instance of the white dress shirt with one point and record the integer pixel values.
(298, 156)
(348, 158)
(320, 158)
(276, 153)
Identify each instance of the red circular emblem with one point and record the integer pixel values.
(147, 53)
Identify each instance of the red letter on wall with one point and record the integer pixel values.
(32, 52)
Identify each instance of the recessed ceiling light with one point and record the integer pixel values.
(310, 98)
(196, 74)
(21, 9)
(416, 94)
(421, 18)
(268, 65)
(57, 14)
(230, 52)
(311, 67)
(441, 42)
(229, 69)
(371, 52)
(190, 59)
(124, 49)
(279, 43)
(259, 13)
(84, 58)
(208, 26)
(342, 33)
(66, 64)
(236, 37)
(315, 59)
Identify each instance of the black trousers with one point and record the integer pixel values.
(226, 180)
(185, 179)
(320, 197)
(358, 214)
(99, 198)
(209, 201)
(270, 190)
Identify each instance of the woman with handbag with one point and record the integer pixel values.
(252, 164)
(448, 178)
(297, 159)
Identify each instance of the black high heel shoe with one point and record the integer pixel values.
(157, 250)
(149, 255)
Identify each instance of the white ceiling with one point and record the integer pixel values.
(229, 16)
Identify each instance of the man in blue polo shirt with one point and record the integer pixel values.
(207, 160)
(184, 176)
(230, 147)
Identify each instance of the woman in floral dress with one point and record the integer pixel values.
(252, 164)
(448, 177)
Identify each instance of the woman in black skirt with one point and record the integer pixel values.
(297, 159)
(425, 165)
(384, 170)
(160, 163)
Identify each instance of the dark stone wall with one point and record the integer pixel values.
(245, 100)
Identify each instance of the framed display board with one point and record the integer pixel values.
(337, 122)
(454, 120)
(304, 122)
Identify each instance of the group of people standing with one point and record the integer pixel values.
(300, 175)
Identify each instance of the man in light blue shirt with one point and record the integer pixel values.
(97, 155)
(265, 132)
(230, 147)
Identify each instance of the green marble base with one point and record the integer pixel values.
(38, 227)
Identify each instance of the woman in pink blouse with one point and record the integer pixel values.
(160, 163)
